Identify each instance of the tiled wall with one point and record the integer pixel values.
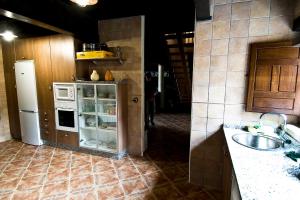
(127, 33)
(4, 122)
(220, 74)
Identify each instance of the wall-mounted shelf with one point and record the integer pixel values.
(97, 60)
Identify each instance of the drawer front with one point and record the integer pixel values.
(67, 138)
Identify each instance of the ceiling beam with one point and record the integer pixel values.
(34, 22)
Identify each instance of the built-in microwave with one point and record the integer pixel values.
(65, 91)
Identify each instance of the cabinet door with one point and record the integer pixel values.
(23, 49)
(67, 138)
(11, 92)
(42, 60)
(62, 58)
(274, 79)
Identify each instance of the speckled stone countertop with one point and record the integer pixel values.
(263, 175)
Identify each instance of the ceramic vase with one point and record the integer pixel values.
(94, 76)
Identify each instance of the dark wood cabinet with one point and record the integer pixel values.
(62, 58)
(41, 49)
(274, 80)
(8, 52)
(69, 139)
(54, 61)
(23, 49)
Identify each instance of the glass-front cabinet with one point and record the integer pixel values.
(101, 116)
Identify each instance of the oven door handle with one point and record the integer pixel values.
(66, 109)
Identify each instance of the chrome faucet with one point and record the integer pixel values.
(283, 116)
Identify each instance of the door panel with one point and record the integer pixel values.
(288, 78)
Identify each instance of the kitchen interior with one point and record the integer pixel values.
(72, 100)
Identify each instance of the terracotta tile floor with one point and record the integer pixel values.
(29, 172)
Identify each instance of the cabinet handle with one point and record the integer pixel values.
(46, 125)
(47, 132)
(46, 120)
(22, 57)
(50, 87)
(45, 114)
(66, 135)
(73, 78)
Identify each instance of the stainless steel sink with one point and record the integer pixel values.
(258, 142)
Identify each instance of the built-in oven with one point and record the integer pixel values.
(66, 115)
(66, 119)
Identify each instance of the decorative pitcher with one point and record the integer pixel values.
(108, 76)
(95, 76)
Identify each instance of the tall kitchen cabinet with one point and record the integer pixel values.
(54, 61)
(102, 116)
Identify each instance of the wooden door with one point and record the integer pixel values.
(24, 49)
(11, 92)
(41, 48)
(274, 82)
(62, 58)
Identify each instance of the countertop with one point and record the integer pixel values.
(263, 175)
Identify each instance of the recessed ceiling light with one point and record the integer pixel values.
(84, 3)
(8, 35)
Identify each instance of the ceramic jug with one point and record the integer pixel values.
(95, 76)
(108, 76)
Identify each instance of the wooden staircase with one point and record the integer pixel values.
(180, 47)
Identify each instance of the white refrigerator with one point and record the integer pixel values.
(27, 101)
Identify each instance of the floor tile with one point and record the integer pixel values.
(60, 174)
(82, 182)
(37, 169)
(8, 174)
(141, 196)
(102, 167)
(31, 182)
(106, 178)
(127, 172)
(166, 192)
(175, 173)
(81, 170)
(9, 185)
(27, 195)
(146, 168)
(110, 192)
(134, 186)
(6, 196)
(54, 189)
(155, 179)
(84, 195)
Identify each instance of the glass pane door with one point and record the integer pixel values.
(87, 116)
(107, 117)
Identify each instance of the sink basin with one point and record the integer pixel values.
(258, 142)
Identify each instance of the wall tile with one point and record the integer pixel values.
(238, 45)
(199, 124)
(234, 113)
(279, 7)
(221, 29)
(219, 47)
(199, 110)
(260, 8)
(201, 63)
(237, 62)
(216, 94)
(217, 2)
(281, 37)
(203, 47)
(235, 95)
(259, 27)
(218, 63)
(215, 111)
(197, 137)
(200, 93)
(213, 125)
(222, 12)
(236, 79)
(239, 28)
(240, 10)
(217, 78)
(200, 78)
(203, 31)
(281, 25)
(257, 39)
